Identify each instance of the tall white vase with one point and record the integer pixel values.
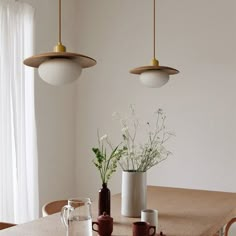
(133, 193)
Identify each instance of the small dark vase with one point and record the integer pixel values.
(104, 200)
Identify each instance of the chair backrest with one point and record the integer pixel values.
(232, 221)
(4, 225)
(53, 207)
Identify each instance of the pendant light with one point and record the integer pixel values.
(59, 67)
(154, 75)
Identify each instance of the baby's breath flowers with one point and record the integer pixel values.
(106, 164)
(141, 157)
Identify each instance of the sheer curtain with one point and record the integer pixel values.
(18, 150)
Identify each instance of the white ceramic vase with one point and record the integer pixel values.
(133, 193)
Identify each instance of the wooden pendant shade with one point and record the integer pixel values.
(140, 70)
(37, 60)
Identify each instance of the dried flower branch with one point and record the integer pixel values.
(141, 157)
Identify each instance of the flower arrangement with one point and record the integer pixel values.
(141, 157)
(106, 164)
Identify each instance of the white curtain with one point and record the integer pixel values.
(18, 149)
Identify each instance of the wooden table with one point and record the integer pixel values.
(182, 212)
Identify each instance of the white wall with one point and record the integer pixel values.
(55, 106)
(196, 37)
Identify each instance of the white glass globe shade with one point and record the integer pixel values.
(154, 78)
(59, 71)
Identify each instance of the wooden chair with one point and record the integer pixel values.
(53, 207)
(228, 226)
(4, 225)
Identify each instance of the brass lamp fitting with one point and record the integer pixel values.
(59, 48)
(154, 62)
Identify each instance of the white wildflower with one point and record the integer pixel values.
(125, 129)
(104, 137)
